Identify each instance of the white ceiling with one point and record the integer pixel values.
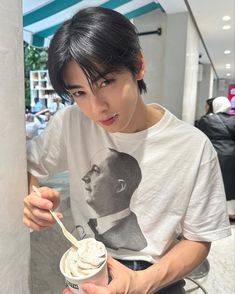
(217, 40)
(208, 16)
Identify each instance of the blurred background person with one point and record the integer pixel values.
(56, 105)
(32, 126)
(43, 118)
(38, 106)
(232, 111)
(219, 126)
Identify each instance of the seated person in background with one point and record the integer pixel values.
(232, 111)
(32, 126)
(38, 106)
(43, 118)
(56, 105)
(219, 126)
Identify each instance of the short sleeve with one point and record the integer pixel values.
(46, 153)
(206, 218)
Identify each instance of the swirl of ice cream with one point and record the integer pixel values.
(86, 259)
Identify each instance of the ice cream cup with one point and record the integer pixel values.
(99, 277)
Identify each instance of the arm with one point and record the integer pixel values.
(46, 156)
(41, 112)
(32, 181)
(176, 264)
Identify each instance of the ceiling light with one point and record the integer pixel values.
(227, 51)
(227, 27)
(228, 65)
(226, 18)
(228, 74)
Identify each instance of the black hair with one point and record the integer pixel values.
(209, 102)
(100, 40)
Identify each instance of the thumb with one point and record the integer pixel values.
(94, 289)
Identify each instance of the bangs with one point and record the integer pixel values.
(94, 67)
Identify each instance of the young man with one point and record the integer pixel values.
(95, 58)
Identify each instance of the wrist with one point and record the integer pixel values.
(149, 280)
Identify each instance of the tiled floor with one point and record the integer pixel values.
(48, 246)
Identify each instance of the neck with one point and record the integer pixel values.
(146, 116)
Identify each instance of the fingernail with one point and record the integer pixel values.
(44, 195)
(60, 216)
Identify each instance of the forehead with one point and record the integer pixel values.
(72, 74)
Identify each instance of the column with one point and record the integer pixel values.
(14, 244)
(180, 66)
(204, 88)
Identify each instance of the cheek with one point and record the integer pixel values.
(84, 107)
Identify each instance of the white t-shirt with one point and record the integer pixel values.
(180, 192)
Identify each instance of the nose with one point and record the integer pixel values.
(99, 103)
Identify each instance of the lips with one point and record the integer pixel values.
(88, 188)
(110, 120)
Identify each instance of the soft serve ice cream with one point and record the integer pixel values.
(85, 260)
(87, 263)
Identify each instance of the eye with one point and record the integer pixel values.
(77, 94)
(96, 169)
(106, 82)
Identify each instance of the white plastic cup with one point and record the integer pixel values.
(99, 277)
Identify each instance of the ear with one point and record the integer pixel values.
(140, 74)
(120, 186)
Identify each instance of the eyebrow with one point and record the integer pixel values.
(71, 87)
(102, 75)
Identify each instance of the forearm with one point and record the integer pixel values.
(32, 181)
(176, 264)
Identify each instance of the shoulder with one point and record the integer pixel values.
(187, 140)
(67, 113)
(186, 130)
(226, 116)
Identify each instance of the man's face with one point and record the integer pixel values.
(113, 103)
(100, 186)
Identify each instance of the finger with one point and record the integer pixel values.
(50, 194)
(67, 291)
(34, 201)
(41, 216)
(95, 289)
(32, 225)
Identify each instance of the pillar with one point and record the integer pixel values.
(14, 237)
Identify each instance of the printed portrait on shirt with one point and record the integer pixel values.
(110, 183)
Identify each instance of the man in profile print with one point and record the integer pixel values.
(110, 184)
